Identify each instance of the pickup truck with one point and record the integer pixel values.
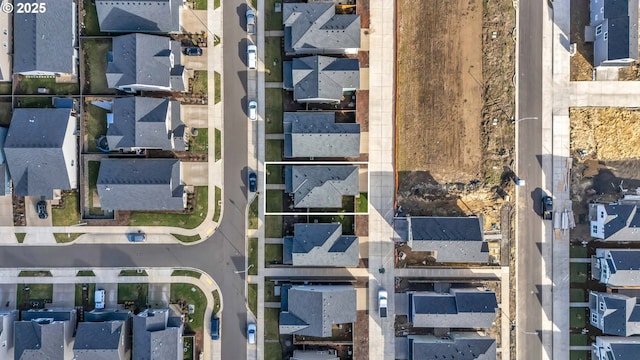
(547, 207)
(382, 303)
(251, 21)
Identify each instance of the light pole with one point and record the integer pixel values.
(244, 271)
(527, 118)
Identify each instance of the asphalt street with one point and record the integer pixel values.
(529, 167)
(220, 255)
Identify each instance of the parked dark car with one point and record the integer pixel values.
(41, 207)
(193, 51)
(547, 207)
(253, 182)
(137, 237)
(215, 328)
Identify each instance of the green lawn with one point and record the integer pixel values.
(271, 316)
(252, 298)
(253, 213)
(62, 238)
(272, 254)
(35, 102)
(91, 289)
(253, 256)
(216, 300)
(275, 174)
(347, 222)
(578, 340)
(200, 143)
(36, 292)
(69, 213)
(34, 273)
(187, 342)
(269, 292)
(133, 273)
(216, 4)
(201, 5)
(272, 19)
(218, 144)
(577, 295)
(218, 206)
(577, 317)
(185, 221)
(30, 85)
(94, 168)
(200, 83)
(577, 251)
(85, 273)
(274, 200)
(5, 88)
(133, 292)
(217, 83)
(579, 355)
(273, 226)
(578, 272)
(96, 126)
(191, 273)
(273, 59)
(20, 237)
(193, 295)
(273, 111)
(91, 18)
(362, 204)
(96, 67)
(274, 149)
(272, 350)
(187, 238)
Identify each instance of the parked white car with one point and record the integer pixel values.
(252, 57)
(251, 333)
(252, 110)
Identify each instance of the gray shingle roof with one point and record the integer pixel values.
(35, 151)
(148, 60)
(45, 41)
(99, 315)
(616, 348)
(140, 184)
(316, 134)
(616, 267)
(151, 16)
(145, 123)
(100, 341)
(7, 319)
(157, 335)
(314, 355)
(615, 314)
(315, 28)
(321, 245)
(452, 239)
(321, 186)
(460, 308)
(313, 309)
(622, 26)
(618, 222)
(322, 79)
(458, 346)
(39, 339)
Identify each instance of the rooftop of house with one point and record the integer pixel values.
(157, 334)
(615, 314)
(615, 347)
(616, 267)
(457, 346)
(321, 78)
(320, 245)
(316, 134)
(150, 16)
(615, 222)
(39, 339)
(460, 308)
(321, 186)
(99, 340)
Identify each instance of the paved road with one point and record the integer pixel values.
(529, 168)
(220, 255)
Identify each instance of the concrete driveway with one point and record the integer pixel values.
(194, 116)
(32, 214)
(193, 21)
(111, 295)
(6, 211)
(63, 296)
(195, 173)
(8, 294)
(159, 295)
(195, 62)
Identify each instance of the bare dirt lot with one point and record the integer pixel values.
(454, 106)
(581, 63)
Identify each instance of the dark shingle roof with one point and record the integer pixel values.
(34, 150)
(459, 346)
(157, 335)
(316, 28)
(39, 339)
(460, 308)
(140, 184)
(152, 16)
(316, 134)
(323, 78)
(321, 245)
(147, 60)
(446, 228)
(99, 341)
(45, 41)
(616, 348)
(321, 186)
(142, 122)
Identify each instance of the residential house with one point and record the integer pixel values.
(329, 354)
(459, 308)
(315, 28)
(104, 315)
(616, 267)
(41, 152)
(615, 348)
(44, 41)
(321, 186)
(44, 334)
(141, 184)
(6, 39)
(614, 314)
(613, 29)
(142, 62)
(615, 222)
(457, 345)
(5, 179)
(312, 310)
(317, 135)
(157, 334)
(448, 239)
(321, 79)
(145, 123)
(102, 340)
(145, 16)
(7, 318)
(320, 245)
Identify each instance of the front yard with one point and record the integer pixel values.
(69, 212)
(272, 254)
(273, 226)
(272, 19)
(273, 59)
(185, 221)
(190, 295)
(200, 143)
(271, 321)
(273, 111)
